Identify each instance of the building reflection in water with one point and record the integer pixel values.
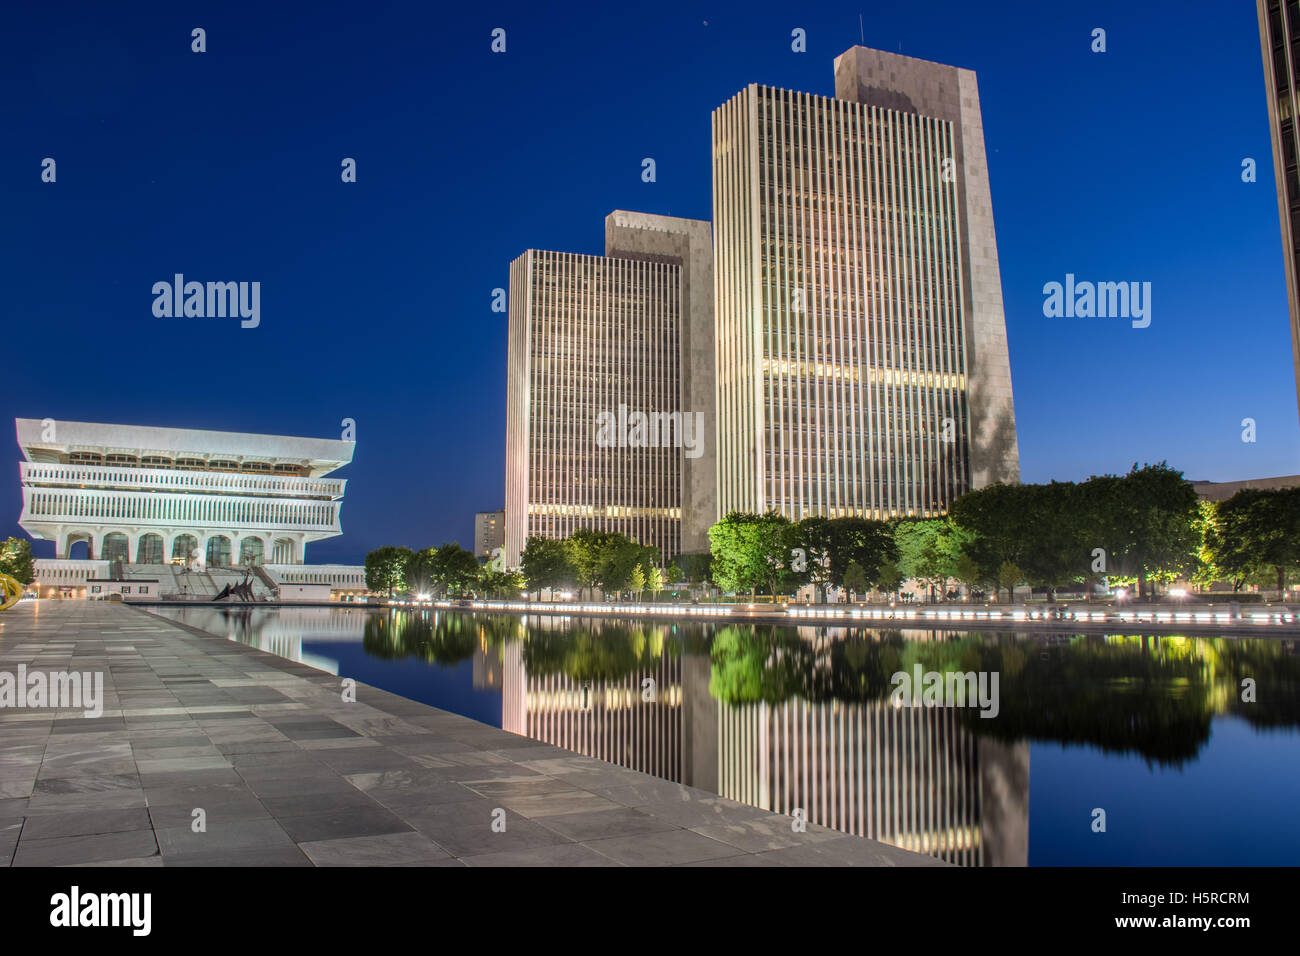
(914, 777)
(909, 776)
(279, 631)
(799, 718)
(625, 721)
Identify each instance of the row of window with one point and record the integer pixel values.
(186, 464)
(150, 549)
(335, 578)
(209, 509)
(608, 511)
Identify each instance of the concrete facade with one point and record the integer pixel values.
(70, 578)
(145, 495)
(1279, 30)
(489, 532)
(687, 243)
(595, 338)
(910, 85)
(862, 362)
(591, 337)
(1223, 490)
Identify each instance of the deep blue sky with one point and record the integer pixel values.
(376, 295)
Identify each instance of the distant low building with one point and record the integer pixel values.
(79, 578)
(1223, 490)
(489, 532)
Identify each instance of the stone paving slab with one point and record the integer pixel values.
(284, 772)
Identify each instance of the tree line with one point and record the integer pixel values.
(1145, 528)
(446, 571)
(605, 561)
(588, 559)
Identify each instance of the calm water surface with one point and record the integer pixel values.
(1151, 729)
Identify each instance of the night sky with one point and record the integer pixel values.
(376, 295)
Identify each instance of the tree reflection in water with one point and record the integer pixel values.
(1154, 696)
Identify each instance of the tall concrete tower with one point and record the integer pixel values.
(626, 337)
(1279, 40)
(862, 361)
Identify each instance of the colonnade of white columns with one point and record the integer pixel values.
(276, 549)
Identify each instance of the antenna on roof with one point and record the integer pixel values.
(861, 33)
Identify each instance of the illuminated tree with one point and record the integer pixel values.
(751, 550)
(855, 579)
(16, 560)
(386, 568)
(547, 563)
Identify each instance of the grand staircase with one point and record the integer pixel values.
(198, 584)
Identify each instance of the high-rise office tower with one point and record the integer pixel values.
(610, 385)
(1279, 39)
(861, 345)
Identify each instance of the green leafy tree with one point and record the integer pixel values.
(422, 571)
(889, 577)
(636, 580)
(855, 579)
(695, 566)
(1224, 554)
(457, 570)
(926, 551)
(813, 536)
(1257, 531)
(1035, 527)
(16, 560)
(447, 569)
(997, 525)
(605, 560)
(654, 579)
(735, 566)
(969, 572)
(1206, 572)
(1009, 576)
(620, 561)
(386, 568)
(1146, 521)
(1056, 550)
(547, 563)
(861, 541)
(752, 551)
(587, 548)
(500, 583)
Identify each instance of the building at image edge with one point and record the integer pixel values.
(188, 507)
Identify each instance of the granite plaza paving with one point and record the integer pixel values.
(289, 774)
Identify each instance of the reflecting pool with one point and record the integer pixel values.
(1186, 748)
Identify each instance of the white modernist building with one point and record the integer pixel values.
(138, 495)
